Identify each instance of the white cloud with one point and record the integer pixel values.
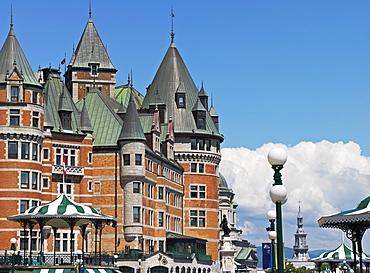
(326, 177)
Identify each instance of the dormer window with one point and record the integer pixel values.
(14, 96)
(65, 118)
(201, 123)
(180, 100)
(94, 69)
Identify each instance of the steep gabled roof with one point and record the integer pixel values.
(101, 110)
(12, 54)
(56, 97)
(91, 49)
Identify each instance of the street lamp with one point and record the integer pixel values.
(13, 247)
(271, 216)
(277, 158)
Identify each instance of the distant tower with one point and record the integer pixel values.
(300, 256)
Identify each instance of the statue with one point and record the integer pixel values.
(224, 226)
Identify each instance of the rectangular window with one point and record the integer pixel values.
(202, 192)
(198, 218)
(161, 246)
(13, 149)
(69, 188)
(46, 153)
(25, 150)
(137, 159)
(136, 214)
(24, 206)
(201, 123)
(208, 144)
(193, 167)
(126, 160)
(201, 167)
(14, 117)
(197, 191)
(90, 158)
(34, 203)
(34, 181)
(25, 180)
(194, 191)
(201, 144)
(45, 183)
(34, 97)
(160, 218)
(14, 93)
(160, 193)
(136, 187)
(89, 186)
(34, 151)
(193, 143)
(35, 119)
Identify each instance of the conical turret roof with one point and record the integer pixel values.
(11, 55)
(91, 49)
(132, 129)
(173, 77)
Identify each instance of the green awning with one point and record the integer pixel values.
(52, 270)
(97, 270)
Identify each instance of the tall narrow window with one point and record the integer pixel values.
(13, 149)
(136, 187)
(193, 143)
(208, 144)
(160, 193)
(193, 167)
(25, 180)
(24, 206)
(34, 97)
(14, 93)
(138, 159)
(160, 218)
(201, 167)
(25, 150)
(34, 181)
(35, 119)
(126, 159)
(34, 151)
(14, 117)
(136, 215)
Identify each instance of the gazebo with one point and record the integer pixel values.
(63, 212)
(340, 255)
(354, 223)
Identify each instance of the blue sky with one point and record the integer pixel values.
(285, 72)
(279, 71)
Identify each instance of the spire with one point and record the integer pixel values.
(12, 53)
(11, 15)
(172, 33)
(132, 129)
(85, 120)
(90, 12)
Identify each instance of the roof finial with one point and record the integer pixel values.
(172, 33)
(211, 99)
(90, 9)
(11, 15)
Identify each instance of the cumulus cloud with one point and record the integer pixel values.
(325, 177)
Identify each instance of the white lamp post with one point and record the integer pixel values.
(277, 158)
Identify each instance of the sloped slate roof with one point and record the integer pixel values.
(104, 121)
(11, 53)
(91, 49)
(173, 76)
(57, 212)
(53, 89)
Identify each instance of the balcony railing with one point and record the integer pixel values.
(71, 170)
(57, 259)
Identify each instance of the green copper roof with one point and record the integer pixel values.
(12, 55)
(222, 182)
(91, 49)
(213, 112)
(54, 97)
(173, 76)
(122, 95)
(105, 123)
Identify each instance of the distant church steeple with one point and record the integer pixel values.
(300, 247)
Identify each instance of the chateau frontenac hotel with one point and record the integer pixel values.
(151, 161)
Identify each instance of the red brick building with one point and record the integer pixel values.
(151, 161)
